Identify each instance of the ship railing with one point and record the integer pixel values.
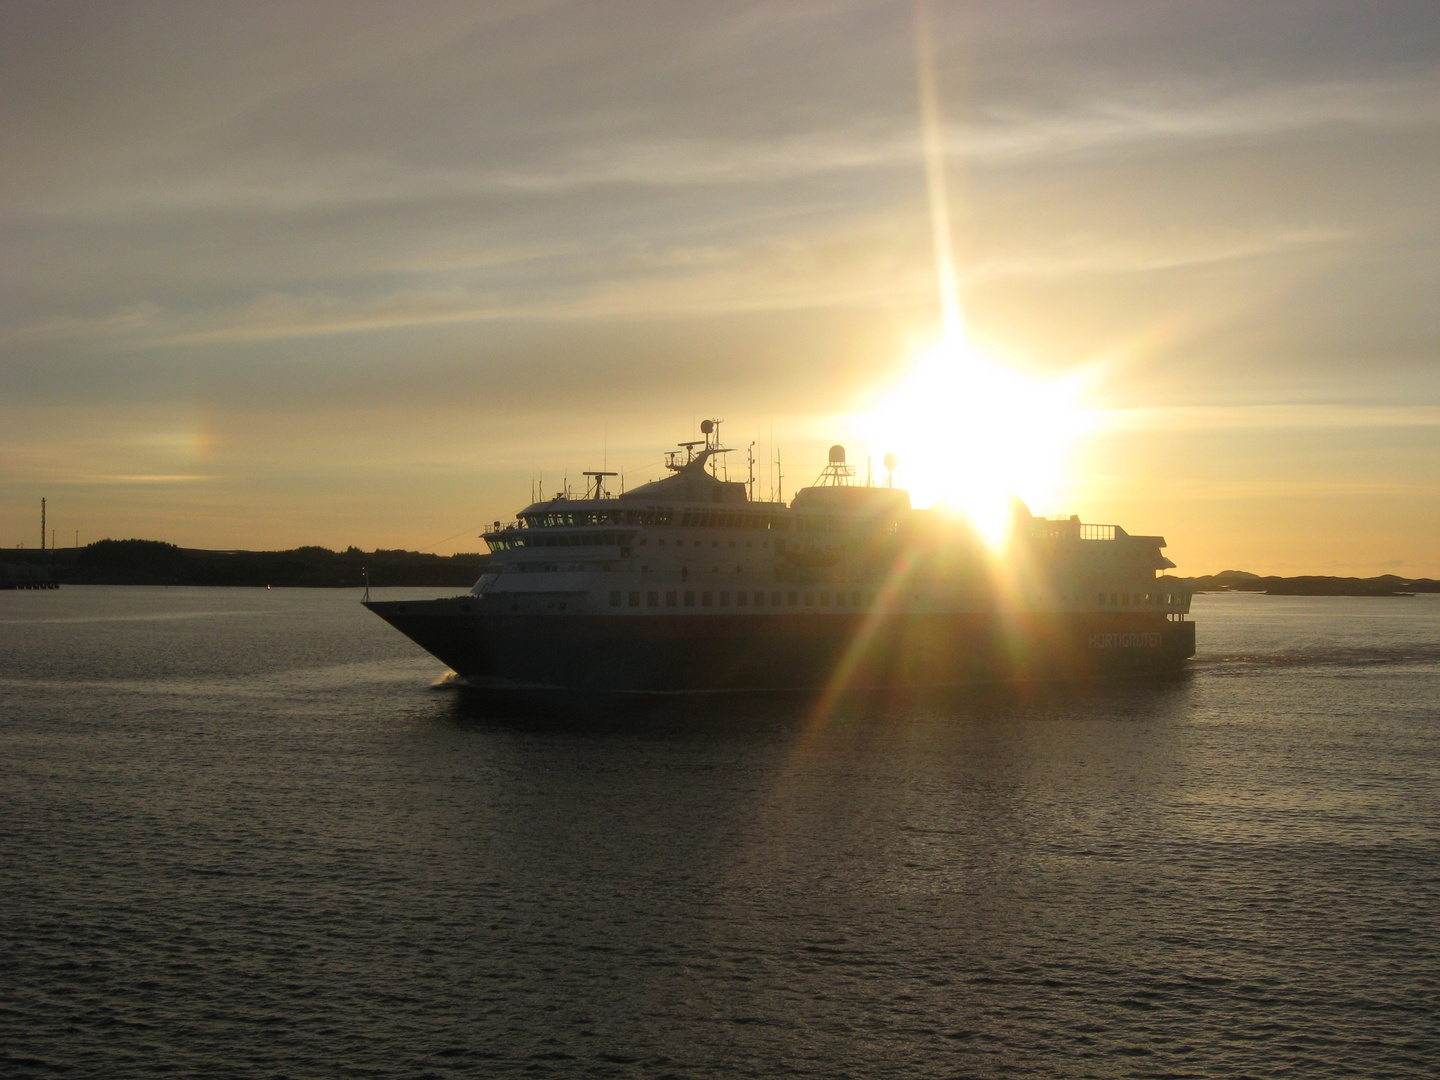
(1055, 528)
(1071, 528)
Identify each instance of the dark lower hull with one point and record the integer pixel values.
(687, 653)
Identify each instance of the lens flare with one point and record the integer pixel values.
(975, 435)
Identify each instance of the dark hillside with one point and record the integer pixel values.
(1314, 585)
(153, 562)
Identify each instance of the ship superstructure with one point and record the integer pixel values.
(689, 583)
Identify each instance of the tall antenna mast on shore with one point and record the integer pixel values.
(42, 523)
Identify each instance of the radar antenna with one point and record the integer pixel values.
(672, 457)
(711, 449)
(837, 473)
(597, 489)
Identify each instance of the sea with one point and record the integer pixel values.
(257, 833)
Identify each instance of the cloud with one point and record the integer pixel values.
(1080, 254)
(282, 181)
(130, 478)
(1176, 418)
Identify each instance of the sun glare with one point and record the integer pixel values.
(974, 435)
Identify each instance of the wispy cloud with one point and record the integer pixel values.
(1264, 417)
(1156, 117)
(1079, 254)
(102, 479)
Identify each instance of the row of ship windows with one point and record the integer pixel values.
(779, 544)
(740, 599)
(510, 543)
(1140, 598)
(597, 517)
(708, 519)
(695, 519)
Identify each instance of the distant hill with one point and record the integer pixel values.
(1310, 585)
(154, 562)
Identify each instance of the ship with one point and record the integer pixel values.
(691, 584)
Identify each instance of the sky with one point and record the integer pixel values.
(371, 274)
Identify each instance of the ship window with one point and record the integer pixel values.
(1126, 598)
(764, 543)
(689, 599)
(707, 599)
(697, 543)
(714, 543)
(643, 541)
(732, 543)
(614, 599)
(774, 599)
(854, 599)
(809, 599)
(824, 599)
(724, 599)
(792, 598)
(1114, 599)
(759, 599)
(1100, 599)
(652, 599)
(749, 543)
(1149, 599)
(660, 542)
(670, 599)
(839, 599)
(634, 599)
(741, 599)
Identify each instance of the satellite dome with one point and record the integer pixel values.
(891, 461)
(707, 426)
(837, 455)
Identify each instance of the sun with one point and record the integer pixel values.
(975, 435)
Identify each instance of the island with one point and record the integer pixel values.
(1313, 585)
(154, 562)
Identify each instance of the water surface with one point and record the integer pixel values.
(243, 834)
